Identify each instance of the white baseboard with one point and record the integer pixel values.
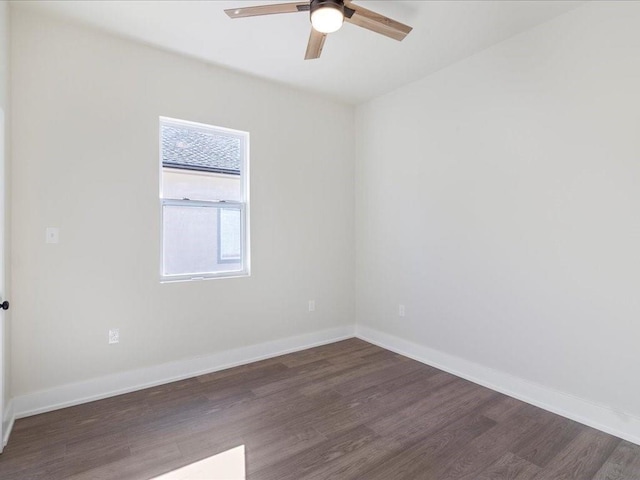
(584, 411)
(8, 418)
(601, 417)
(116, 384)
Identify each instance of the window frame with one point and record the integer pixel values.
(219, 204)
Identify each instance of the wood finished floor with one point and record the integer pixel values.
(349, 410)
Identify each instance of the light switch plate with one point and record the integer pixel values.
(114, 335)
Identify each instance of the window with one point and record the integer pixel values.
(203, 197)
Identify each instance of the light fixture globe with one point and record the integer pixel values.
(327, 15)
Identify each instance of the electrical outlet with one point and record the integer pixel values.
(52, 235)
(401, 310)
(312, 305)
(114, 335)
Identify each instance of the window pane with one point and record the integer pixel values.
(179, 184)
(200, 163)
(191, 240)
(199, 149)
(229, 245)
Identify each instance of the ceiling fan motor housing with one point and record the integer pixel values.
(318, 4)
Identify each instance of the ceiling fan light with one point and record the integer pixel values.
(327, 18)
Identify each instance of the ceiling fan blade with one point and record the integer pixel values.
(268, 9)
(376, 23)
(314, 47)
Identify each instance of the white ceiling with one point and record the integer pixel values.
(356, 64)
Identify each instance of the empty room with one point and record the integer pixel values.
(319, 239)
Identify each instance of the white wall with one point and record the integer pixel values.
(498, 200)
(85, 130)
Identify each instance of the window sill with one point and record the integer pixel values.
(196, 278)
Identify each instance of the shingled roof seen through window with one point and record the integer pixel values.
(194, 149)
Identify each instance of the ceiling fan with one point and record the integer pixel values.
(327, 16)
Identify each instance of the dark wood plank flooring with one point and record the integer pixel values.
(349, 410)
